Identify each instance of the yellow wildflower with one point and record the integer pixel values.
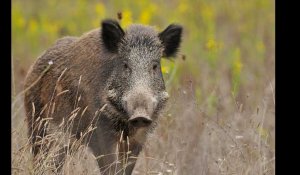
(207, 12)
(211, 44)
(237, 63)
(127, 18)
(145, 17)
(32, 26)
(100, 9)
(165, 69)
(182, 7)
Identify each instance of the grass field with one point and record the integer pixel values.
(220, 118)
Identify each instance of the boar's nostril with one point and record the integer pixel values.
(140, 122)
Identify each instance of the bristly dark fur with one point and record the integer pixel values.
(114, 76)
(111, 34)
(171, 39)
(138, 36)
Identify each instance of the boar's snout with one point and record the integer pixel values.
(140, 121)
(140, 107)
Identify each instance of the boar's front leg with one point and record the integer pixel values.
(103, 144)
(128, 150)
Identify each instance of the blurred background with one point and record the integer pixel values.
(221, 115)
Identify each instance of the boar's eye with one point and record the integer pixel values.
(125, 65)
(126, 69)
(155, 66)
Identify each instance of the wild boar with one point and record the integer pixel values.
(107, 81)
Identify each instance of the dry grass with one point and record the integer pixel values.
(237, 139)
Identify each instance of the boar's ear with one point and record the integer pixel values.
(111, 34)
(171, 38)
